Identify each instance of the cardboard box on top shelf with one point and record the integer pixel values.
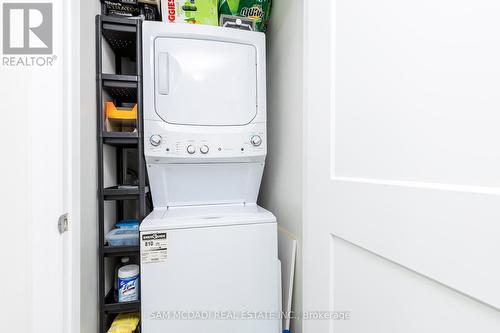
(245, 14)
(190, 11)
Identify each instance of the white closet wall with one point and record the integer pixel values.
(281, 190)
(89, 246)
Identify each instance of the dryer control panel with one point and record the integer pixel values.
(169, 141)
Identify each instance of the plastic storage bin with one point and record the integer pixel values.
(120, 119)
(123, 237)
(128, 224)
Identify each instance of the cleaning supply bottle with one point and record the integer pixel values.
(128, 283)
(123, 261)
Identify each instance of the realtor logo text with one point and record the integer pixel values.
(28, 35)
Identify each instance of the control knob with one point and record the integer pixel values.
(204, 149)
(256, 140)
(191, 149)
(155, 140)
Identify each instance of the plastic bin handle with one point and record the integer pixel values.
(163, 73)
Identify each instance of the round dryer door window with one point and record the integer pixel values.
(204, 82)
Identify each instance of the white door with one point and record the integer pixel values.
(36, 274)
(402, 220)
(205, 82)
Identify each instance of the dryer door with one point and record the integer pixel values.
(204, 82)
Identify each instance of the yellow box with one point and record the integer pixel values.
(113, 112)
(120, 119)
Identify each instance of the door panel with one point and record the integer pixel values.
(449, 236)
(389, 298)
(201, 82)
(401, 161)
(415, 91)
(33, 184)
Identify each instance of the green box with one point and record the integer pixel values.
(257, 10)
(190, 11)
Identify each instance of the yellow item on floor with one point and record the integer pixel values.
(125, 323)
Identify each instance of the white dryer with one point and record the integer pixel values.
(204, 113)
(209, 258)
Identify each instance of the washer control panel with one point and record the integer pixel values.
(164, 140)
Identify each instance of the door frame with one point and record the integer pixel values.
(317, 91)
(71, 123)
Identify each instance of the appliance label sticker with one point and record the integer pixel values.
(153, 247)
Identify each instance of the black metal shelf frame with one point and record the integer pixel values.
(124, 38)
(120, 36)
(121, 87)
(112, 307)
(124, 192)
(121, 139)
(120, 251)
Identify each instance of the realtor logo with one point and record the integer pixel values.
(27, 28)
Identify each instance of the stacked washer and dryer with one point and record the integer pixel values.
(209, 259)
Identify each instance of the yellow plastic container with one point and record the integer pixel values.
(120, 119)
(125, 323)
(112, 112)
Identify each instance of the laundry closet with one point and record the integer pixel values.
(211, 115)
(370, 177)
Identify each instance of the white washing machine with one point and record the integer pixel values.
(209, 258)
(210, 269)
